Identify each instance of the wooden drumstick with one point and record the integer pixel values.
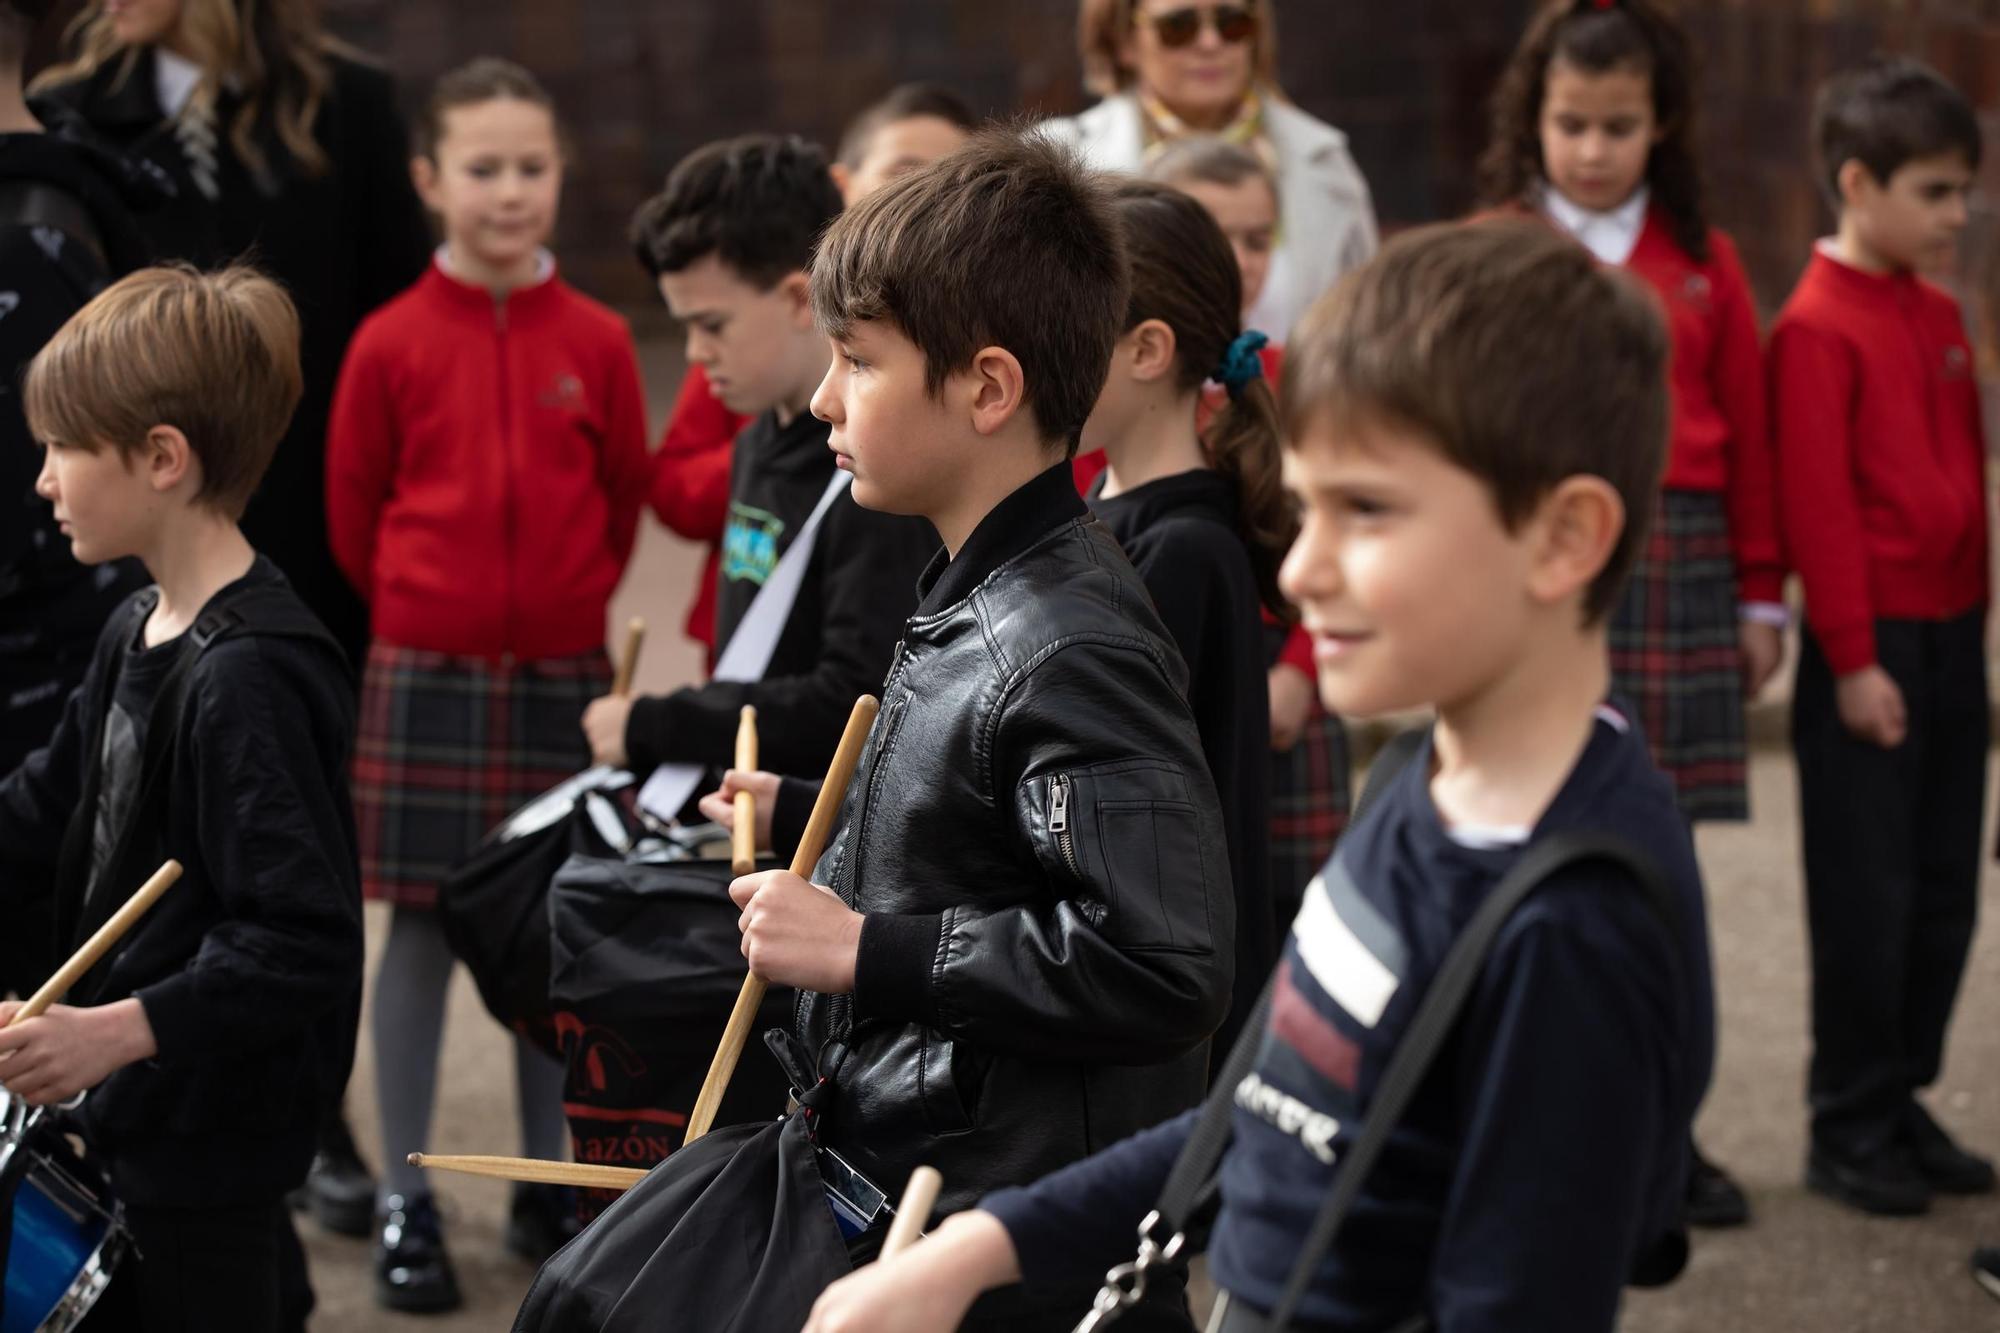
(628, 660)
(913, 1210)
(94, 948)
(743, 841)
(825, 810)
(534, 1170)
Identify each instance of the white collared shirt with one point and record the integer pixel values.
(174, 79)
(1611, 236)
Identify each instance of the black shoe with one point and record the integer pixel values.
(541, 1220)
(1886, 1183)
(339, 1190)
(412, 1271)
(1713, 1199)
(1946, 1167)
(1986, 1271)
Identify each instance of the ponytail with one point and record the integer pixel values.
(1244, 445)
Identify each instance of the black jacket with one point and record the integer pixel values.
(249, 968)
(341, 243)
(859, 586)
(1036, 846)
(1182, 535)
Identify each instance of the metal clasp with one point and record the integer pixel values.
(1125, 1285)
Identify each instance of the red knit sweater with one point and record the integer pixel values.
(486, 464)
(1720, 441)
(1881, 455)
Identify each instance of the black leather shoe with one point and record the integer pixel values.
(1946, 1167)
(412, 1271)
(1986, 1271)
(339, 1190)
(541, 1220)
(1886, 1183)
(1713, 1199)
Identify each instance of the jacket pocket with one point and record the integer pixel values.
(1133, 849)
(949, 1081)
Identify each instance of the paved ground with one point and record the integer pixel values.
(1804, 1265)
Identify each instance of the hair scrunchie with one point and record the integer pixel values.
(1240, 363)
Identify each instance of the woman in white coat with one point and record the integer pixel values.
(1169, 68)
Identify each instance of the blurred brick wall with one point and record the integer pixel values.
(640, 82)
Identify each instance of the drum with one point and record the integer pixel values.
(68, 1233)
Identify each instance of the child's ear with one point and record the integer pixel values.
(843, 181)
(997, 388)
(797, 288)
(1855, 182)
(1154, 349)
(167, 458)
(1574, 532)
(424, 176)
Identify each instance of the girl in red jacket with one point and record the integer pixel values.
(486, 463)
(1592, 128)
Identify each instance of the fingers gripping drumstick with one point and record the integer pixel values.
(628, 660)
(825, 810)
(743, 840)
(94, 948)
(912, 1210)
(534, 1170)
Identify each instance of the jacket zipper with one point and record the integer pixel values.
(840, 1012)
(506, 476)
(1059, 820)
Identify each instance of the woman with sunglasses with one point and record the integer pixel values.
(1167, 69)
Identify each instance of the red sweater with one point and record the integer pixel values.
(486, 463)
(1881, 455)
(691, 486)
(1720, 440)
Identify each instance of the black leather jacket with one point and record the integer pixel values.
(1035, 841)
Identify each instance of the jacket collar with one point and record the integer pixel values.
(535, 299)
(1831, 269)
(1011, 527)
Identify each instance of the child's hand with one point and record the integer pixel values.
(927, 1287)
(1871, 706)
(1293, 693)
(604, 724)
(796, 933)
(52, 1058)
(720, 806)
(1763, 650)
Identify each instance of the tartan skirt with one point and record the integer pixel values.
(447, 747)
(1677, 659)
(1310, 801)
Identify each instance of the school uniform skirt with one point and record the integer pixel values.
(448, 747)
(1676, 655)
(1310, 801)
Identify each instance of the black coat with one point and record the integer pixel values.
(341, 243)
(1036, 845)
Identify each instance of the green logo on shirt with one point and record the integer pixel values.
(750, 544)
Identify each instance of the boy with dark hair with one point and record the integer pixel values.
(728, 242)
(912, 127)
(1478, 425)
(1882, 499)
(213, 727)
(1025, 938)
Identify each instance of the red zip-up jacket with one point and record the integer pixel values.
(1720, 440)
(1881, 455)
(486, 464)
(691, 487)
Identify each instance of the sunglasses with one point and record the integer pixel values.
(1178, 28)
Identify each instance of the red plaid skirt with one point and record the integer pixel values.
(1677, 659)
(1310, 801)
(449, 746)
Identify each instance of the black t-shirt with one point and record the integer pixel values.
(122, 756)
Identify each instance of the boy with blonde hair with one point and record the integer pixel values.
(213, 727)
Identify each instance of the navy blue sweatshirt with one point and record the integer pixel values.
(1546, 1150)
